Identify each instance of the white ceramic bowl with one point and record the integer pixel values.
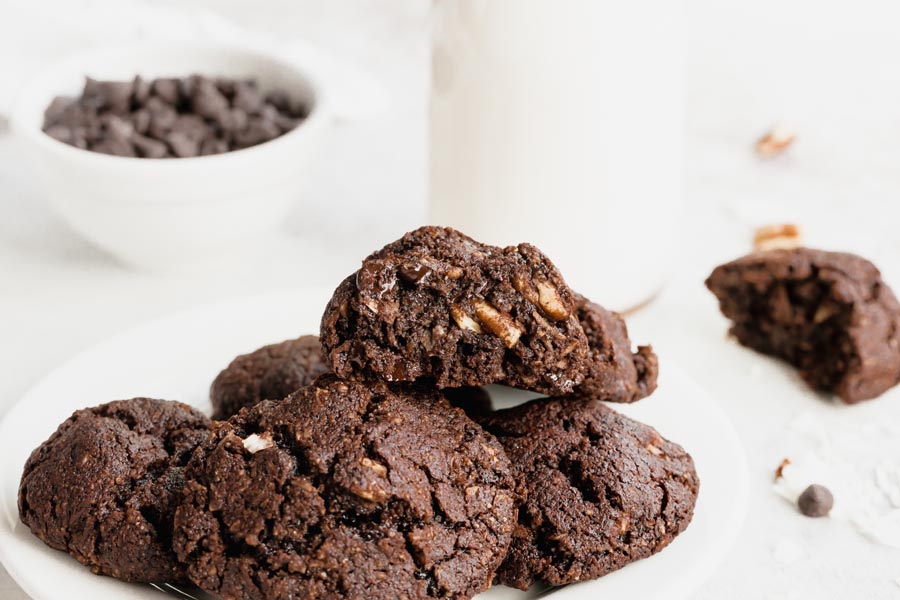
(165, 213)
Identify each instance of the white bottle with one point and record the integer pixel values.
(560, 122)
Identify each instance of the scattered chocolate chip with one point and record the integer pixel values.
(815, 501)
(171, 117)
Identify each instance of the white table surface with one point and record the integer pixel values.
(824, 67)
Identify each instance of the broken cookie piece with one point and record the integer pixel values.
(440, 308)
(829, 314)
(600, 490)
(615, 374)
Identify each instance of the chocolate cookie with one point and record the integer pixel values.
(829, 314)
(615, 374)
(269, 373)
(440, 308)
(105, 485)
(601, 490)
(350, 490)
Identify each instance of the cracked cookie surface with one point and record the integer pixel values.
(829, 314)
(346, 489)
(439, 308)
(600, 489)
(268, 373)
(615, 373)
(105, 485)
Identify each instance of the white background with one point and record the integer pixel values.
(828, 68)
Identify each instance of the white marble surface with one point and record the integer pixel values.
(827, 68)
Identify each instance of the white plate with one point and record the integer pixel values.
(178, 356)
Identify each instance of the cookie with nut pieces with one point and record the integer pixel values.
(377, 492)
(439, 308)
(601, 490)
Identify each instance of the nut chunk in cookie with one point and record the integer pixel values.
(615, 374)
(105, 485)
(829, 314)
(346, 490)
(269, 373)
(601, 490)
(440, 308)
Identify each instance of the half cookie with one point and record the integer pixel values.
(440, 308)
(601, 490)
(350, 490)
(105, 485)
(829, 314)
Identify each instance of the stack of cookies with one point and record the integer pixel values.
(368, 463)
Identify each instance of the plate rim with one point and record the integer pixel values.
(696, 571)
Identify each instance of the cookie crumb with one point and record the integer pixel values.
(815, 501)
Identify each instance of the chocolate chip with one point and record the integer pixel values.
(58, 107)
(413, 273)
(141, 92)
(166, 90)
(183, 146)
(114, 147)
(192, 126)
(114, 96)
(148, 147)
(60, 132)
(208, 101)
(280, 100)
(213, 146)
(233, 120)
(171, 117)
(141, 120)
(815, 501)
(247, 98)
(257, 132)
(226, 86)
(118, 128)
(186, 86)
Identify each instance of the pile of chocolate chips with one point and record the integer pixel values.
(171, 118)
